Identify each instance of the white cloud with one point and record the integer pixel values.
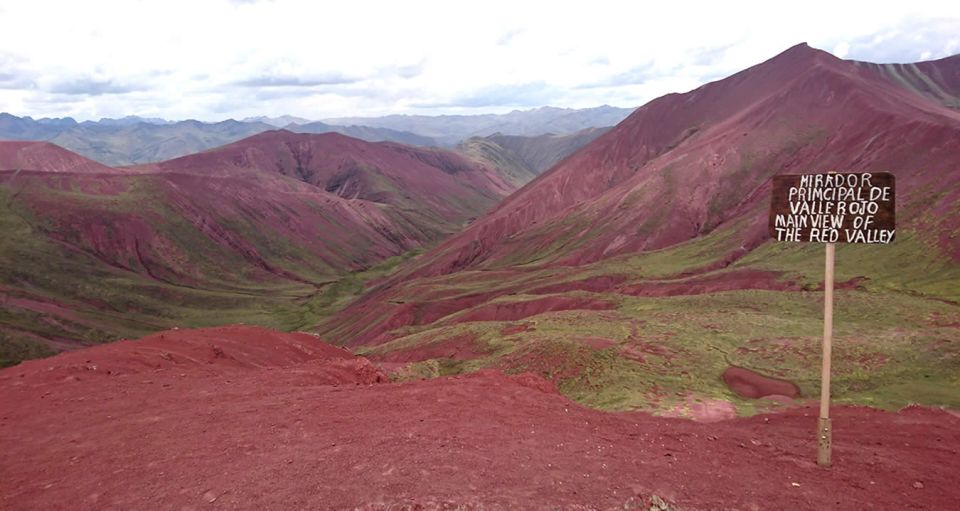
(841, 49)
(211, 59)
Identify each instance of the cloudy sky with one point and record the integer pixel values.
(218, 59)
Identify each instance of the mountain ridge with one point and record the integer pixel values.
(134, 140)
(555, 190)
(29, 155)
(262, 230)
(683, 171)
(450, 129)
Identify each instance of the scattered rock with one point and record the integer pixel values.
(658, 504)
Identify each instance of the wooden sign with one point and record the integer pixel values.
(833, 208)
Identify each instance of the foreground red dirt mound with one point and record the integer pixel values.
(272, 438)
(205, 350)
(754, 385)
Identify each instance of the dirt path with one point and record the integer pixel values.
(225, 437)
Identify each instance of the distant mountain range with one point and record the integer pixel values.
(279, 122)
(136, 140)
(520, 158)
(537, 153)
(364, 133)
(128, 141)
(450, 129)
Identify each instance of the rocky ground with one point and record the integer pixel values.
(244, 418)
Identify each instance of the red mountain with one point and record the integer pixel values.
(686, 166)
(25, 155)
(936, 79)
(249, 230)
(634, 275)
(441, 183)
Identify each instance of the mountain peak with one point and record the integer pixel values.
(753, 115)
(46, 157)
(286, 135)
(802, 54)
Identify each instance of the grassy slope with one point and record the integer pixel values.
(897, 335)
(510, 166)
(897, 339)
(52, 291)
(310, 310)
(89, 260)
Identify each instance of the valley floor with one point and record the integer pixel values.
(286, 425)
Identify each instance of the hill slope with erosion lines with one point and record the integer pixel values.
(250, 232)
(663, 220)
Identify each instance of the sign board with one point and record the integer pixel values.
(833, 208)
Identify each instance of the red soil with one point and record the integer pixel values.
(853, 283)
(460, 347)
(203, 351)
(714, 283)
(641, 351)
(704, 409)
(377, 331)
(405, 314)
(261, 434)
(422, 313)
(555, 362)
(512, 311)
(753, 385)
(428, 312)
(593, 284)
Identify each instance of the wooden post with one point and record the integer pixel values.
(796, 214)
(825, 430)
